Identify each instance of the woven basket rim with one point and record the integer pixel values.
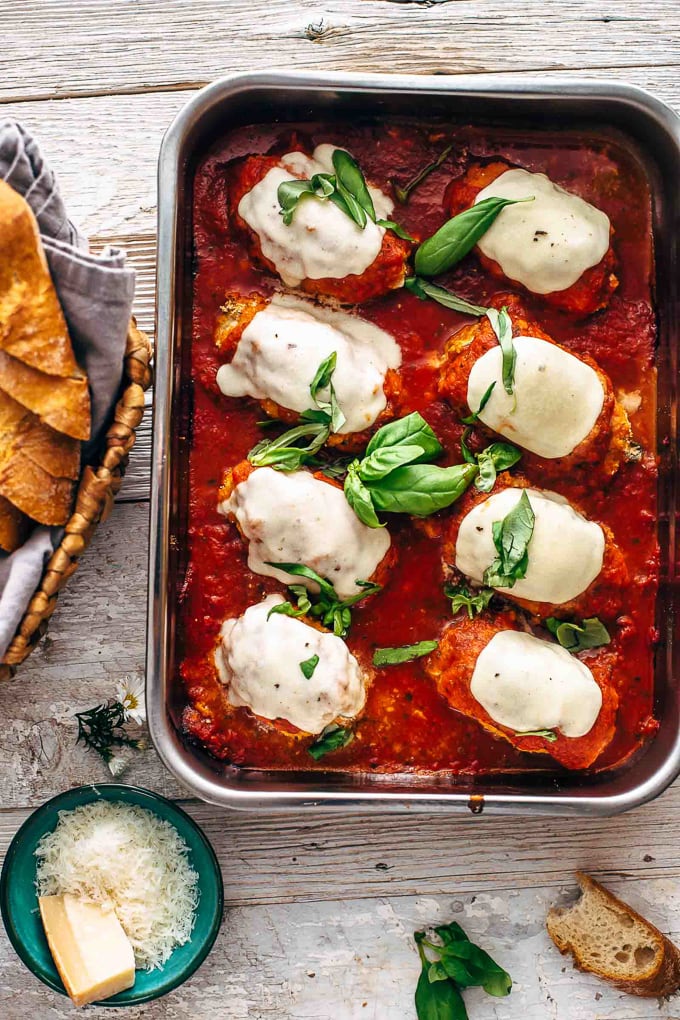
(98, 486)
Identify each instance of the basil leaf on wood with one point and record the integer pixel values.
(502, 326)
(405, 653)
(402, 193)
(548, 735)
(473, 418)
(440, 1000)
(326, 605)
(308, 666)
(283, 455)
(462, 598)
(421, 489)
(424, 290)
(331, 739)
(591, 633)
(459, 235)
(511, 537)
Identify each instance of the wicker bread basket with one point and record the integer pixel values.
(98, 486)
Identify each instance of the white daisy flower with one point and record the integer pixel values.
(130, 694)
(117, 765)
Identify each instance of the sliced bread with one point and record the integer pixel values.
(608, 938)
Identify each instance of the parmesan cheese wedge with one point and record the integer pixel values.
(91, 951)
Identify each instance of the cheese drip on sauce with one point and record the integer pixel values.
(556, 399)
(281, 349)
(321, 242)
(296, 518)
(527, 684)
(547, 244)
(259, 659)
(565, 552)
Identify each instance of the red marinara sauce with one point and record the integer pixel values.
(407, 725)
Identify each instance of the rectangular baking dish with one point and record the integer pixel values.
(243, 99)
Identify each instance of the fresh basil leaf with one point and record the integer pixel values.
(459, 235)
(385, 459)
(350, 206)
(440, 1000)
(486, 478)
(331, 739)
(359, 497)
(495, 458)
(462, 598)
(412, 430)
(591, 633)
(289, 194)
(501, 324)
(351, 181)
(451, 932)
(300, 570)
(511, 537)
(436, 973)
(548, 735)
(421, 489)
(323, 375)
(468, 455)
(329, 410)
(424, 290)
(281, 453)
(406, 653)
(308, 666)
(288, 609)
(402, 193)
(473, 418)
(482, 969)
(323, 185)
(396, 229)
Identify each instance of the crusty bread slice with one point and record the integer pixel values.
(608, 938)
(62, 403)
(14, 526)
(32, 324)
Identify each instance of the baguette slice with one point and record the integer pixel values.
(14, 526)
(608, 938)
(61, 403)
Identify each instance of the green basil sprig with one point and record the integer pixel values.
(308, 666)
(324, 605)
(395, 474)
(473, 602)
(459, 235)
(548, 735)
(331, 739)
(494, 458)
(346, 189)
(327, 412)
(458, 964)
(424, 290)
(402, 193)
(405, 653)
(473, 418)
(591, 633)
(511, 537)
(502, 326)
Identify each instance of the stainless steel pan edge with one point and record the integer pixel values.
(248, 789)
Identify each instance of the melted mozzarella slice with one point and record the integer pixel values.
(259, 659)
(566, 551)
(296, 518)
(281, 349)
(557, 398)
(527, 684)
(321, 241)
(546, 244)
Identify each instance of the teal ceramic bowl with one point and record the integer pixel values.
(19, 901)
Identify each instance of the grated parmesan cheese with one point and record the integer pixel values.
(126, 856)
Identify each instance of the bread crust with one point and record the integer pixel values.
(663, 979)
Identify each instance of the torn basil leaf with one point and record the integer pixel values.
(591, 633)
(424, 290)
(493, 459)
(459, 235)
(501, 324)
(402, 192)
(511, 537)
(326, 605)
(474, 602)
(548, 735)
(308, 666)
(331, 739)
(473, 418)
(405, 653)
(283, 453)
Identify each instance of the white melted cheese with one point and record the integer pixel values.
(527, 684)
(556, 401)
(547, 244)
(259, 659)
(296, 518)
(321, 241)
(280, 350)
(566, 551)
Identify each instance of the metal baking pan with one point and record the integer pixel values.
(251, 98)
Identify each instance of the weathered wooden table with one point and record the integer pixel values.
(320, 907)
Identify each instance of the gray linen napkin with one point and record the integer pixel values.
(96, 293)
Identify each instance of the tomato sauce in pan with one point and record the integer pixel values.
(406, 725)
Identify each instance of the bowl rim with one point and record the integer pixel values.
(110, 793)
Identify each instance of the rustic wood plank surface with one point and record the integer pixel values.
(320, 907)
